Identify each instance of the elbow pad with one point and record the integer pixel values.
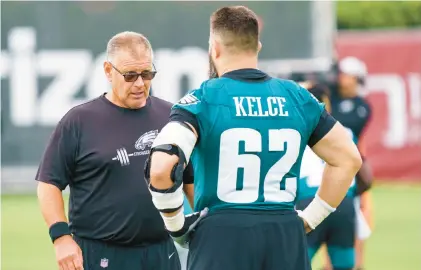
(172, 199)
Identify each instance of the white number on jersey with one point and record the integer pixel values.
(230, 161)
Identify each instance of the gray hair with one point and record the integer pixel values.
(127, 41)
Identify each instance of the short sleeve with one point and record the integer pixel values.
(313, 106)
(188, 108)
(58, 162)
(318, 120)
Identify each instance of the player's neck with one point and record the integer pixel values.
(235, 63)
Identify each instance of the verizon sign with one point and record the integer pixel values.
(71, 70)
(393, 88)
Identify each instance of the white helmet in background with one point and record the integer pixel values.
(353, 66)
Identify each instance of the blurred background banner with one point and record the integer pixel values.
(393, 89)
(52, 55)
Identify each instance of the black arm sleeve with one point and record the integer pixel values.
(58, 161)
(181, 115)
(326, 123)
(188, 175)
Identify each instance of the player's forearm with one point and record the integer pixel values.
(51, 203)
(342, 163)
(336, 182)
(160, 176)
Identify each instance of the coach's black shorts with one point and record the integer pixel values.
(249, 240)
(98, 255)
(338, 232)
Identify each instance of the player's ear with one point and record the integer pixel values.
(107, 70)
(216, 49)
(259, 46)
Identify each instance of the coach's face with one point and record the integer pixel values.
(128, 89)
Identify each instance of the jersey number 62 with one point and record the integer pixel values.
(230, 160)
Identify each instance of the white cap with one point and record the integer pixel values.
(353, 66)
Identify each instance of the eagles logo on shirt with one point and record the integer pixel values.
(146, 140)
(188, 99)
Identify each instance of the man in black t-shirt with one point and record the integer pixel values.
(98, 149)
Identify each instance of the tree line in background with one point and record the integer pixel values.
(382, 14)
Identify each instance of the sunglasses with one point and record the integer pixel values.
(133, 76)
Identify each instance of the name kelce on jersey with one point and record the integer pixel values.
(254, 106)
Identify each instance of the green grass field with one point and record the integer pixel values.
(395, 244)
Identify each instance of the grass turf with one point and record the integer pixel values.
(395, 243)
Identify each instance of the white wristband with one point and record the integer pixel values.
(316, 212)
(174, 223)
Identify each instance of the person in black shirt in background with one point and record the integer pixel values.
(347, 105)
(345, 81)
(98, 149)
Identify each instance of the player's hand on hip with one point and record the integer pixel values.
(307, 227)
(68, 253)
(182, 236)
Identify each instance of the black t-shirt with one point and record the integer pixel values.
(99, 150)
(353, 113)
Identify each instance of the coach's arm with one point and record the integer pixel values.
(51, 202)
(53, 176)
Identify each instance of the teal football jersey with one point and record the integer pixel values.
(312, 172)
(252, 136)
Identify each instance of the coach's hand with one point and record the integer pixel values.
(68, 253)
(182, 236)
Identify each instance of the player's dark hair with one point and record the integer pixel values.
(238, 28)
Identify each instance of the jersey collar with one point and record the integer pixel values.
(247, 75)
